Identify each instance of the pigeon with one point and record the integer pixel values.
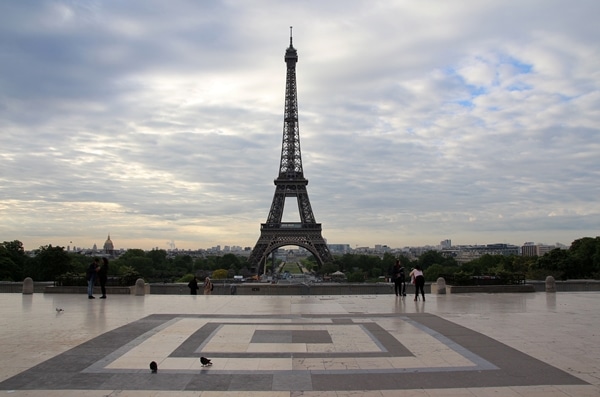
(205, 361)
(153, 367)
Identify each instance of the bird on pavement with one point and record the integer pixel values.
(205, 361)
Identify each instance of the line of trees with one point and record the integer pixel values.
(48, 263)
(580, 261)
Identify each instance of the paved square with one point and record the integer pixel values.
(340, 352)
(476, 345)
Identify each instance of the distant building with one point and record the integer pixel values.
(529, 249)
(464, 254)
(532, 249)
(446, 244)
(339, 248)
(109, 247)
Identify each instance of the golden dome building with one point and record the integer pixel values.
(109, 247)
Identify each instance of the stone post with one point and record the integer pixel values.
(140, 287)
(439, 287)
(550, 284)
(28, 286)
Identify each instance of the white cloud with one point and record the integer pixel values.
(419, 122)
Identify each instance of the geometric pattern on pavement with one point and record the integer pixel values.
(303, 352)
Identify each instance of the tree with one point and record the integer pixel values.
(230, 260)
(219, 274)
(142, 265)
(430, 258)
(158, 256)
(356, 277)
(52, 262)
(328, 268)
(556, 263)
(585, 253)
(12, 261)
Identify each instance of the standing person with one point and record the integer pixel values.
(398, 279)
(193, 286)
(419, 278)
(401, 280)
(91, 277)
(208, 286)
(103, 276)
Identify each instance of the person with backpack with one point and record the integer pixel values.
(208, 286)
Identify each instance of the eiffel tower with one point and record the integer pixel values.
(290, 183)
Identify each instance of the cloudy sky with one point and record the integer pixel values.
(161, 121)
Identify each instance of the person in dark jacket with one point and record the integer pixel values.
(399, 279)
(103, 276)
(193, 285)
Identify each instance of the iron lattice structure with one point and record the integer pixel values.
(290, 183)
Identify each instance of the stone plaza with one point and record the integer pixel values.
(474, 344)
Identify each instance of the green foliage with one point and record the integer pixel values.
(80, 262)
(50, 262)
(434, 271)
(310, 266)
(230, 260)
(186, 278)
(481, 265)
(291, 267)
(71, 279)
(431, 258)
(585, 254)
(12, 261)
(219, 274)
(128, 276)
(462, 278)
(356, 277)
(328, 268)
(9, 271)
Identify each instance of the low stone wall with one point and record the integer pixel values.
(489, 289)
(307, 289)
(83, 290)
(568, 286)
(279, 289)
(10, 287)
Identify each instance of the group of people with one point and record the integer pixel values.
(97, 271)
(207, 287)
(399, 279)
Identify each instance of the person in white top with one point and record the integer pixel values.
(416, 274)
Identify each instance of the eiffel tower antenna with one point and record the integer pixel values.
(290, 183)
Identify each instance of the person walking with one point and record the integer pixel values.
(103, 276)
(193, 286)
(419, 278)
(92, 272)
(208, 286)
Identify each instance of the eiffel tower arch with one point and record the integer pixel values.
(290, 183)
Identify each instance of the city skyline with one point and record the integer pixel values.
(156, 122)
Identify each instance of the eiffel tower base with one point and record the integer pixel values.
(274, 236)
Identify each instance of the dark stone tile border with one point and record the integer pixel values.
(496, 365)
